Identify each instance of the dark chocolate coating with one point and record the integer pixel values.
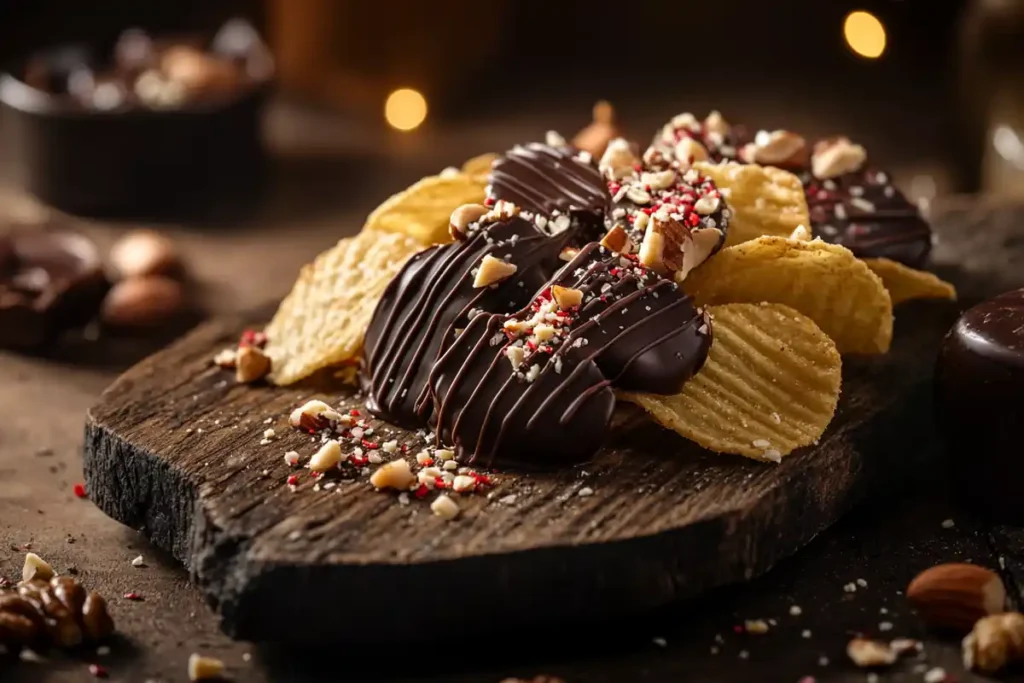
(50, 280)
(865, 213)
(432, 296)
(495, 417)
(645, 333)
(979, 384)
(551, 180)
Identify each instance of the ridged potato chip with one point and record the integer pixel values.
(904, 283)
(321, 323)
(825, 282)
(479, 165)
(764, 200)
(770, 385)
(423, 210)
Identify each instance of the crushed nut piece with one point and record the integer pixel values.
(689, 150)
(756, 626)
(491, 271)
(202, 668)
(995, 641)
(716, 123)
(618, 160)
(139, 562)
(313, 416)
(326, 458)
(553, 139)
(226, 358)
(444, 454)
(463, 483)
(395, 475)
(566, 297)
(836, 156)
(36, 568)
(463, 217)
(444, 507)
(865, 653)
(251, 364)
(778, 147)
(801, 234)
(617, 240)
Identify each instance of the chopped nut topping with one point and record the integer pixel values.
(226, 358)
(716, 123)
(202, 668)
(995, 641)
(251, 364)
(617, 240)
(801, 234)
(658, 180)
(492, 271)
(778, 147)
(463, 217)
(393, 475)
(618, 160)
(444, 507)
(444, 454)
(326, 458)
(689, 150)
(553, 139)
(36, 568)
(836, 156)
(707, 205)
(313, 416)
(697, 249)
(463, 483)
(501, 211)
(566, 297)
(664, 242)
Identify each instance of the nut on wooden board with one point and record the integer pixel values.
(955, 596)
(140, 302)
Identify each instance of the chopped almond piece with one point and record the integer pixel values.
(617, 240)
(566, 297)
(492, 270)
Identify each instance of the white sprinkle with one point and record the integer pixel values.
(772, 455)
(936, 675)
(444, 507)
(660, 642)
(882, 610)
(850, 588)
(139, 562)
(761, 443)
(948, 524)
(389, 446)
(823, 661)
(585, 491)
(872, 678)
(103, 651)
(806, 633)
(862, 204)
(714, 650)
(862, 583)
(291, 458)
(885, 626)
(374, 459)
(795, 611)
(450, 465)
(510, 499)
(403, 498)
(269, 434)
(357, 432)
(423, 457)
(463, 483)
(744, 654)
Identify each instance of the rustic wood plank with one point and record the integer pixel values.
(173, 449)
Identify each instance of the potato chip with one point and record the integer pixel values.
(904, 283)
(764, 200)
(422, 211)
(825, 282)
(480, 165)
(321, 322)
(770, 385)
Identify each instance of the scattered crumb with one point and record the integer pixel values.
(291, 458)
(935, 675)
(444, 507)
(139, 562)
(795, 611)
(744, 654)
(823, 661)
(585, 491)
(862, 583)
(660, 642)
(269, 434)
(510, 499)
(885, 626)
(756, 626)
(947, 524)
(403, 498)
(850, 588)
(806, 633)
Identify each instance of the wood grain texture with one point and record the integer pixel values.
(173, 449)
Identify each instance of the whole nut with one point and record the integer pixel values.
(251, 364)
(779, 147)
(142, 301)
(96, 619)
(144, 252)
(69, 592)
(955, 596)
(834, 157)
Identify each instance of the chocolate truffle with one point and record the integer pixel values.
(980, 402)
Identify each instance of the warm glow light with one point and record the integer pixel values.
(405, 109)
(864, 34)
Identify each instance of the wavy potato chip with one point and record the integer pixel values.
(825, 282)
(905, 283)
(479, 165)
(764, 200)
(423, 210)
(770, 385)
(321, 322)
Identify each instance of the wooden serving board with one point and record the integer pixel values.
(173, 449)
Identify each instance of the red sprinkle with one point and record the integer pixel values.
(421, 491)
(354, 412)
(253, 338)
(489, 201)
(97, 671)
(79, 490)
(738, 629)
(132, 595)
(481, 479)
(439, 483)
(372, 445)
(293, 480)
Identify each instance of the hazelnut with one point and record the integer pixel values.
(393, 475)
(96, 618)
(144, 252)
(202, 668)
(994, 642)
(251, 364)
(869, 653)
(835, 157)
(779, 147)
(142, 301)
(492, 271)
(566, 297)
(462, 217)
(36, 569)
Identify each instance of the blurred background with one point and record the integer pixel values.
(367, 97)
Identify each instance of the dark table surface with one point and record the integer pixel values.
(908, 526)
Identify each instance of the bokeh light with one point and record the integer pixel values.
(865, 34)
(405, 109)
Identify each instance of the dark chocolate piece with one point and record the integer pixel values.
(979, 384)
(50, 280)
(433, 296)
(552, 181)
(865, 213)
(496, 415)
(506, 384)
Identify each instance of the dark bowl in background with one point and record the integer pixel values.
(133, 161)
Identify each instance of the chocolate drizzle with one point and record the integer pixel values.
(550, 181)
(508, 382)
(433, 296)
(865, 213)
